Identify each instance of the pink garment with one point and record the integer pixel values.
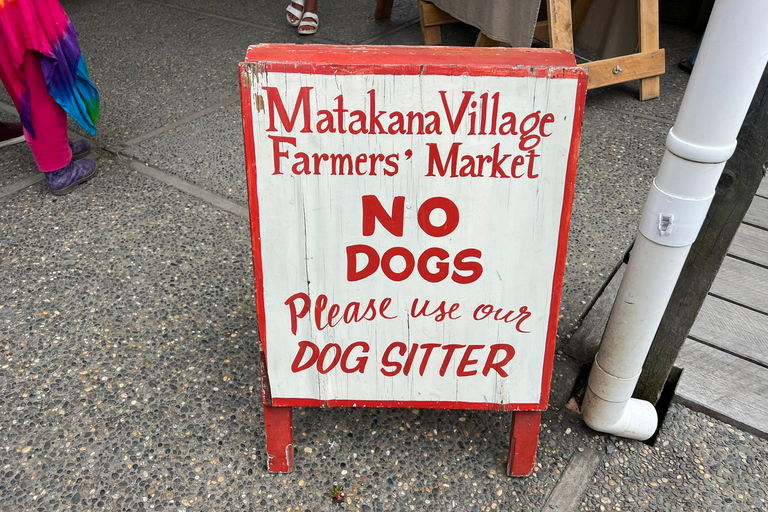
(42, 26)
(50, 146)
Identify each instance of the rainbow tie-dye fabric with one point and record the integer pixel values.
(43, 26)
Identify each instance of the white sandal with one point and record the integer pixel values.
(309, 20)
(292, 11)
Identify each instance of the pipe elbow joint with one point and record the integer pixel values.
(633, 419)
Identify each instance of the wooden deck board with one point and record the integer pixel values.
(726, 370)
(743, 283)
(758, 212)
(763, 190)
(734, 329)
(750, 243)
(724, 386)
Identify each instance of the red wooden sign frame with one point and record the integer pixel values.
(445, 61)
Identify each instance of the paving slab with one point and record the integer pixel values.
(340, 22)
(207, 152)
(154, 65)
(129, 355)
(16, 163)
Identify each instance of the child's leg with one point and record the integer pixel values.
(50, 145)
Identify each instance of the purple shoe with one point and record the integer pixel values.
(67, 179)
(80, 148)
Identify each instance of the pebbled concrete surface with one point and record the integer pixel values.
(619, 157)
(340, 22)
(16, 163)
(207, 152)
(129, 374)
(154, 65)
(698, 463)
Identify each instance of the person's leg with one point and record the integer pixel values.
(49, 142)
(309, 19)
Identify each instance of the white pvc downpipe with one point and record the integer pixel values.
(728, 69)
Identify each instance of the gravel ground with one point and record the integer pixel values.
(697, 464)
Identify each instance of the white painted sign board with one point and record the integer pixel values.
(410, 211)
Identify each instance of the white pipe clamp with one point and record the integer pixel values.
(673, 221)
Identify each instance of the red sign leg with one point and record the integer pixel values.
(278, 423)
(523, 442)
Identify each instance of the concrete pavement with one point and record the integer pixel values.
(129, 373)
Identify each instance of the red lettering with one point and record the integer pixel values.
(545, 120)
(297, 365)
(462, 371)
(454, 123)
(373, 211)
(386, 362)
(440, 310)
(442, 166)
(428, 348)
(531, 157)
(275, 102)
(524, 315)
(409, 361)
(373, 262)
(492, 364)
(449, 350)
(442, 266)
(386, 263)
(361, 360)
(295, 315)
(484, 311)
(277, 154)
(462, 265)
(334, 361)
(383, 308)
(451, 216)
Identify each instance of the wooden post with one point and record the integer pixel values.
(738, 185)
(278, 423)
(484, 41)
(560, 25)
(648, 31)
(523, 442)
(383, 9)
(431, 17)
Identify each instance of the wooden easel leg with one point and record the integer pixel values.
(560, 24)
(523, 442)
(278, 423)
(649, 41)
(429, 34)
(484, 41)
(383, 9)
